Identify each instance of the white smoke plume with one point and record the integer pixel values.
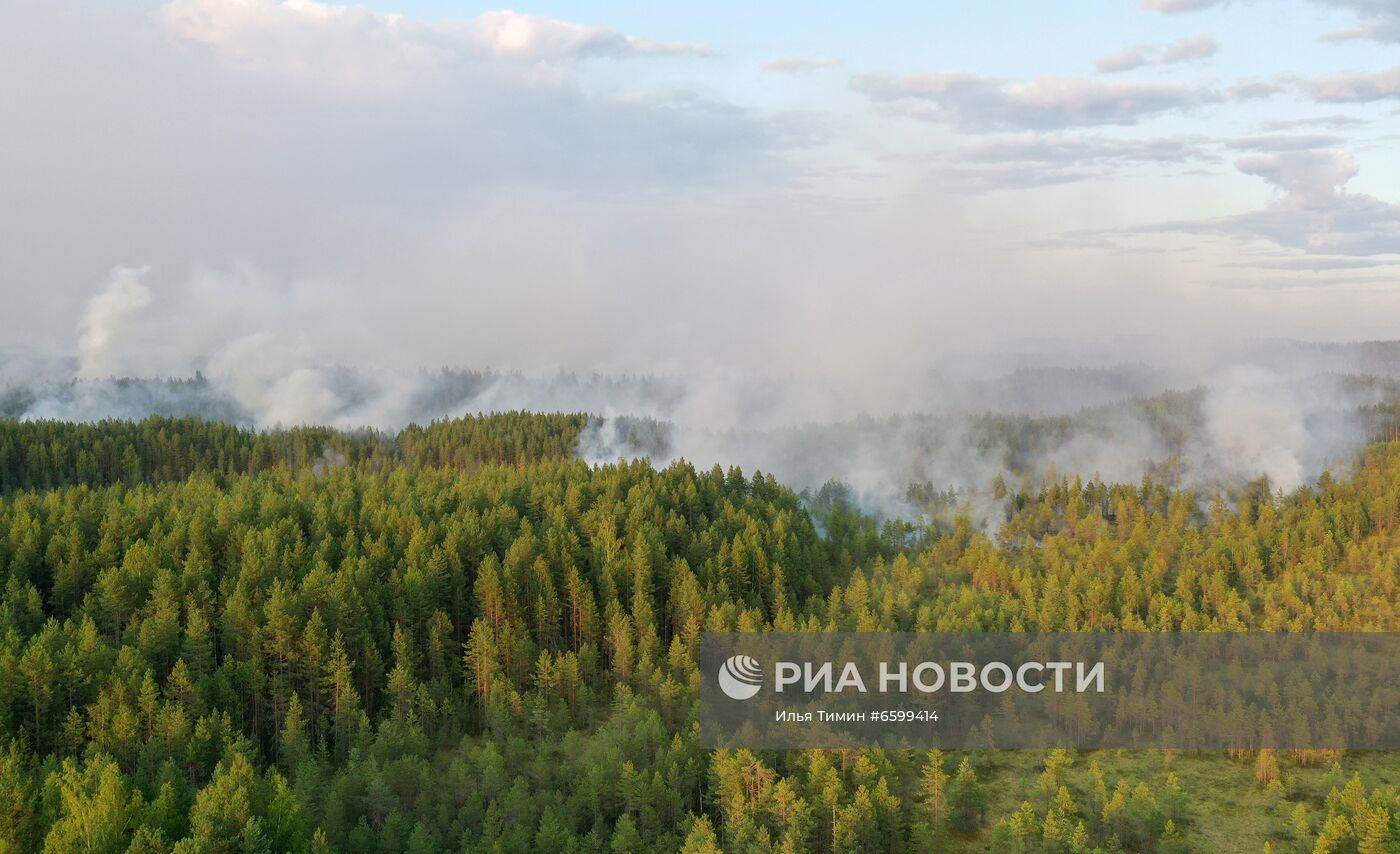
(1255, 424)
(108, 322)
(236, 347)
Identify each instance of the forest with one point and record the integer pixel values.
(461, 637)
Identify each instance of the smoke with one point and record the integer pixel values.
(1255, 425)
(108, 322)
(1285, 419)
(1281, 410)
(329, 460)
(1207, 417)
(313, 244)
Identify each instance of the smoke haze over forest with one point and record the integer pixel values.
(799, 257)
(1208, 415)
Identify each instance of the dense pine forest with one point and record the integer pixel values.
(461, 637)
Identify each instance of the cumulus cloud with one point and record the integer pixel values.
(1355, 87)
(1380, 20)
(1254, 89)
(536, 38)
(1354, 224)
(1313, 212)
(349, 46)
(1187, 49)
(1127, 59)
(356, 47)
(1308, 179)
(980, 103)
(799, 64)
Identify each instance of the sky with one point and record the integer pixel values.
(745, 187)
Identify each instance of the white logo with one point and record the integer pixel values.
(740, 677)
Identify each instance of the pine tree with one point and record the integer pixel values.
(967, 799)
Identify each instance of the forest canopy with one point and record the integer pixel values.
(464, 638)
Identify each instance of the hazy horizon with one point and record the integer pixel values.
(409, 183)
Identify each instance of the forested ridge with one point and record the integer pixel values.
(462, 638)
(48, 454)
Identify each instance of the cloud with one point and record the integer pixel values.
(532, 37)
(1187, 49)
(1313, 212)
(1176, 7)
(1308, 179)
(347, 46)
(1336, 122)
(356, 47)
(1355, 87)
(1046, 148)
(1317, 264)
(1380, 20)
(1354, 224)
(1254, 89)
(1033, 160)
(1284, 142)
(799, 64)
(1191, 47)
(1048, 102)
(1127, 59)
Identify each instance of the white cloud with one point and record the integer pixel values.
(1188, 49)
(799, 64)
(1380, 20)
(975, 102)
(1351, 224)
(532, 37)
(1313, 213)
(1335, 122)
(1355, 88)
(1254, 89)
(1308, 179)
(1284, 142)
(1191, 47)
(1024, 160)
(356, 47)
(1127, 59)
(349, 46)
